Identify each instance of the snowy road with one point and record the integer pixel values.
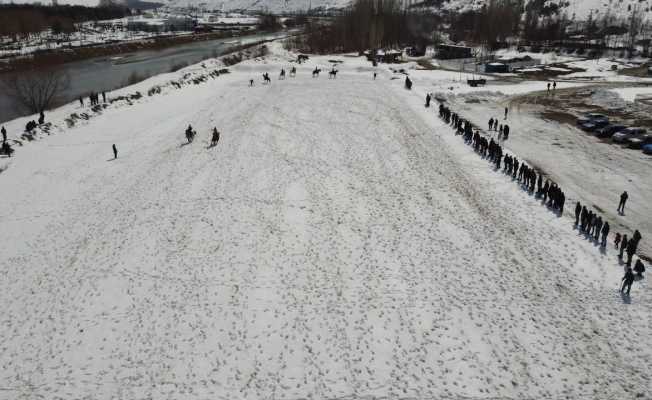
(339, 242)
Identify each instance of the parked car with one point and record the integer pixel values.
(593, 118)
(647, 148)
(639, 142)
(627, 133)
(609, 130)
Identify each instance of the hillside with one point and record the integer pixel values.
(339, 242)
(580, 8)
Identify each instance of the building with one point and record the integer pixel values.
(450, 52)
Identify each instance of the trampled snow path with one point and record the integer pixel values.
(339, 242)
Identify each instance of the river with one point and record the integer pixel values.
(112, 72)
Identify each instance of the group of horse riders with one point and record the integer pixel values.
(191, 133)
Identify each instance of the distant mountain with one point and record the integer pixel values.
(581, 9)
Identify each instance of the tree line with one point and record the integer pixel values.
(20, 21)
(373, 24)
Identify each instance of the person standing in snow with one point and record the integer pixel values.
(41, 118)
(554, 85)
(103, 97)
(639, 268)
(623, 200)
(605, 233)
(548, 87)
(4, 134)
(506, 111)
(115, 152)
(598, 228)
(578, 210)
(617, 240)
(627, 281)
(375, 74)
(623, 245)
(215, 138)
(491, 123)
(427, 100)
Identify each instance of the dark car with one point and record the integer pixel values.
(609, 130)
(595, 119)
(647, 148)
(639, 142)
(592, 122)
(628, 133)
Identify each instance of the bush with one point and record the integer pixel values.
(154, 90)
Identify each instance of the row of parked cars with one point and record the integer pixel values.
(633, 137)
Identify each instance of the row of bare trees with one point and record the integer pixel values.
(369, 24)
(23, 21)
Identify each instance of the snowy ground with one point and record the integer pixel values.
(339, 242)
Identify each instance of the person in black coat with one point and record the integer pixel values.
(627, 281)
(623, 245)
(605, 233)
(623, 200)
(639, 268)
(578, 211)
(115, 152)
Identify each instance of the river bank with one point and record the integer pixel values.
(107, 73)
(61, 56)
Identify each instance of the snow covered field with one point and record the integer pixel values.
(339, 242)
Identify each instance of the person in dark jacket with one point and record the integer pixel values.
(617, 239)
(4, 134)
(41, 118)
(627, 281)
(630, 250)
(639, 268)
(578, 210)
(598, 228)
(623, 200)
(623, 245)
(605, 233)
(215, 138)
(115, 152)
(428, 100)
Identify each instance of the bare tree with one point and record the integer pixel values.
(36, 90)
(634, 26)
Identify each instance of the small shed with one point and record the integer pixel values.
(451, 52)
(496, 68)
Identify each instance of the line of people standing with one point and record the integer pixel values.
(490, 149)
(93, 98)
(552, 195)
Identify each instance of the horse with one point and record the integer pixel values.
(332, 74)
(315, 72)
(6, 149)
(282, 75)
(293, 72)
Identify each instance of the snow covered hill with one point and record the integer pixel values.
(339, 242)
(581, 9)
